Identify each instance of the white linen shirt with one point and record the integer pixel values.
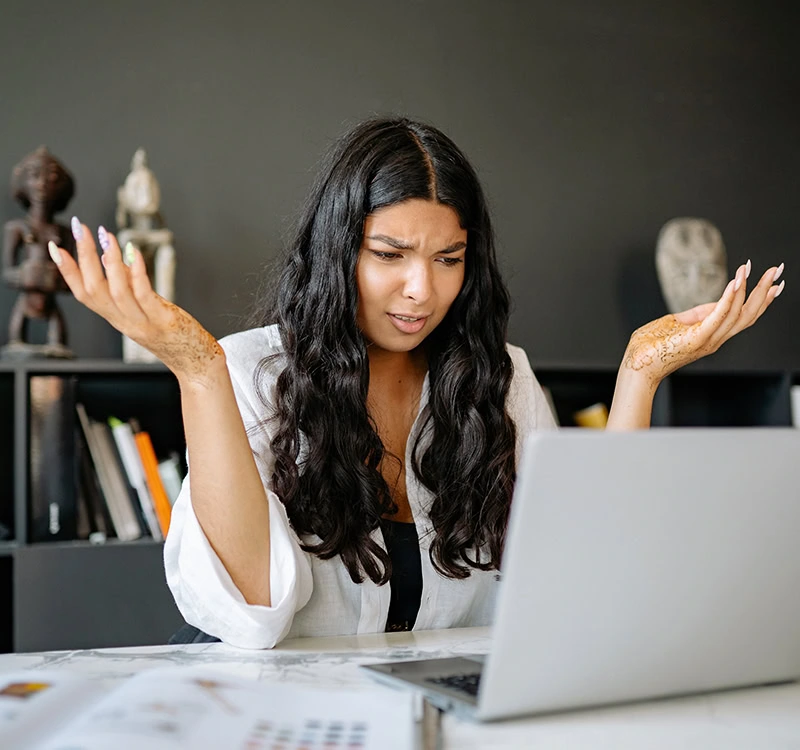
(310, 596)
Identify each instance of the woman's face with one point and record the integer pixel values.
(410, 270)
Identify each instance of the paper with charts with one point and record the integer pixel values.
(174, 707)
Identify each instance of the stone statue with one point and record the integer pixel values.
(691, 263)
(139, 221)
(43, 187)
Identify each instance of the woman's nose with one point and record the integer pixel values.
(418, 283)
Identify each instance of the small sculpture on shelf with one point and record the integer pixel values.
(43, 187)
(691, 263)
(139, 221)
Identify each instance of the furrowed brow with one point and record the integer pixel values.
(391, 241)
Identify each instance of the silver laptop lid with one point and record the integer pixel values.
(646, 564)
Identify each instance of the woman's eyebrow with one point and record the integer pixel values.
(454, 248)
(402, 245)
(391, 241)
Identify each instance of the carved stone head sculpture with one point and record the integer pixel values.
(691, 263)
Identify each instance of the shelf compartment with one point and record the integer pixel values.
(699, 399)
(80, 595)
(573, 390)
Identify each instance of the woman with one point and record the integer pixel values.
(384, 396)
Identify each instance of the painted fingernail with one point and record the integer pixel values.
(55, 253)
(780, 289)
(747, 269)
(77, 229)
(102, 235)
(778, 272)
(130, 253)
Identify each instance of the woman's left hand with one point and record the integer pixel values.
(666, 344)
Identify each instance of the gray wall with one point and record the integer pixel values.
(590, 122)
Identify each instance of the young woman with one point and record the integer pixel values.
(351, 465)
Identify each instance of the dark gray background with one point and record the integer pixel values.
(590, 122)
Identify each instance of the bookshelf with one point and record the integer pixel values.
(67, 593)
(70, 593)
(691, 397)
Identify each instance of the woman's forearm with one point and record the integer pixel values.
(228, 496)
(632, 405)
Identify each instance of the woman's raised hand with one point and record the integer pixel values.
(124, 296)
(666, 344)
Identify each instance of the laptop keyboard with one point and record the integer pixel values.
(466, 683)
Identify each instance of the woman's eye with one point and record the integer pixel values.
(451, 261)
(382, 255)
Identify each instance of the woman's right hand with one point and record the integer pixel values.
(124, 296)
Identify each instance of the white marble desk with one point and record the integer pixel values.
(757, 719)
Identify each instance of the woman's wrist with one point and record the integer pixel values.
(201, 379)
(632, 406)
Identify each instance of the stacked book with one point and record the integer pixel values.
(94, 478)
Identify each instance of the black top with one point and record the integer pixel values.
(406, 581)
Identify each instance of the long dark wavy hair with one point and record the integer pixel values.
(326, 448)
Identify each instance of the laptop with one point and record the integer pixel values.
(637, 565)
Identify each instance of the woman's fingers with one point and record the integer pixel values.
(759, 300)
(92, 276)
(728, 304)
(119, 281)
(722, 331)
(69, 270)
(770, 291)
(150, 303)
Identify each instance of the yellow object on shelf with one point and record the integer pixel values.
(594, 416)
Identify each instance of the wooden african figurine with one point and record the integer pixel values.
(43, 187)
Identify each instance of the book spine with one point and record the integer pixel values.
(101, 462)
(171, 476)
(122, 491)
(99, 518)
(150, 463)
(132, 462)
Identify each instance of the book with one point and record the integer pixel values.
(132, 462)
(171, 476)
(112, 483)
(90, 493)
(125, 492)
(53, 508)
(200, 708)
(154, 484)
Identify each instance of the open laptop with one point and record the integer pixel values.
(637, 565)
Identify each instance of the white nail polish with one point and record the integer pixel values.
(738, 285)
(780, 289)
(747, 269)
(55, 253)
(778, 272)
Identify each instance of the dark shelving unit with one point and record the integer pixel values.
(692, 397)
(72, 593)
(75, 594)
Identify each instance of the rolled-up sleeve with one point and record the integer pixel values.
(204, 592)
(206, 595)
